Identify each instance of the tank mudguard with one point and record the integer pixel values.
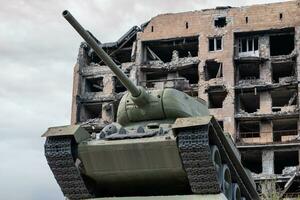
(79, 133)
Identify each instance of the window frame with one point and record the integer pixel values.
(253, 45)
(215, 43)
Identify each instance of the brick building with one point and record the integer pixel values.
(243, 61)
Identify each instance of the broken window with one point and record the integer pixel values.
(119, 87)
(282, 44)
(216, 97)
(119, 54)
(285, 130)
(284, 159)
(248, 71)
(252, 161)
(94, 84)
(215, 44)
(213, 69)
(220, 22)
(249, 102)
(120, 51)
(280, 71)
(163, 49)
(190, 73)
(249, 129)
(90, 111)
(248, 46)
(283, 97)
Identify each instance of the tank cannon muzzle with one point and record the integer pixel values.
(131, 87)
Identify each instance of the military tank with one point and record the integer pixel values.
(164, 145)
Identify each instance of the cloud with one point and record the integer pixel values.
(37, 54)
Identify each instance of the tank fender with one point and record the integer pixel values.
(191, 121)
(78, 132)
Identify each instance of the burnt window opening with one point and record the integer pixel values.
(249, 44)
(191, 74)
(281, 70)
(249, 129)
(119, 87)
(280, 16)
(284, 159)
(249, 102)
(90, 111)
(163, 49)
(282, 44)
(246, 19)
(220, 22)
(285, 130)
(216, 98)
(213, 69)
(94, 84)
(283, 97)
(248, 71)
(152, 29)
(186, 25)
(119, 56)
(120, 51)
(252, 161)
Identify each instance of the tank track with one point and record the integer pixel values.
(195, 154)
(58, 152)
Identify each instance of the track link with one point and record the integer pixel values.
(195, 153)
(58, 152)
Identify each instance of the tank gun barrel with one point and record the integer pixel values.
(132, 88)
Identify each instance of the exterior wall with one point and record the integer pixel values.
(260, 17)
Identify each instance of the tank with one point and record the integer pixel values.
(164, 145)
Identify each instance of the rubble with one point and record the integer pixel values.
(290, 170)
(287, 80)
(177, 64)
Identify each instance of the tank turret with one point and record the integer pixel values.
(164, 145)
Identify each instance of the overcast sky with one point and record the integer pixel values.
(38, 50)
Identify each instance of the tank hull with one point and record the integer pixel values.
(178, 161)
(119, 167)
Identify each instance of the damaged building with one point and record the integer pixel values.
(243, 61)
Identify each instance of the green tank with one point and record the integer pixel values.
(164, 145)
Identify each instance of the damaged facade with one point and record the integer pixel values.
(243, 61)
